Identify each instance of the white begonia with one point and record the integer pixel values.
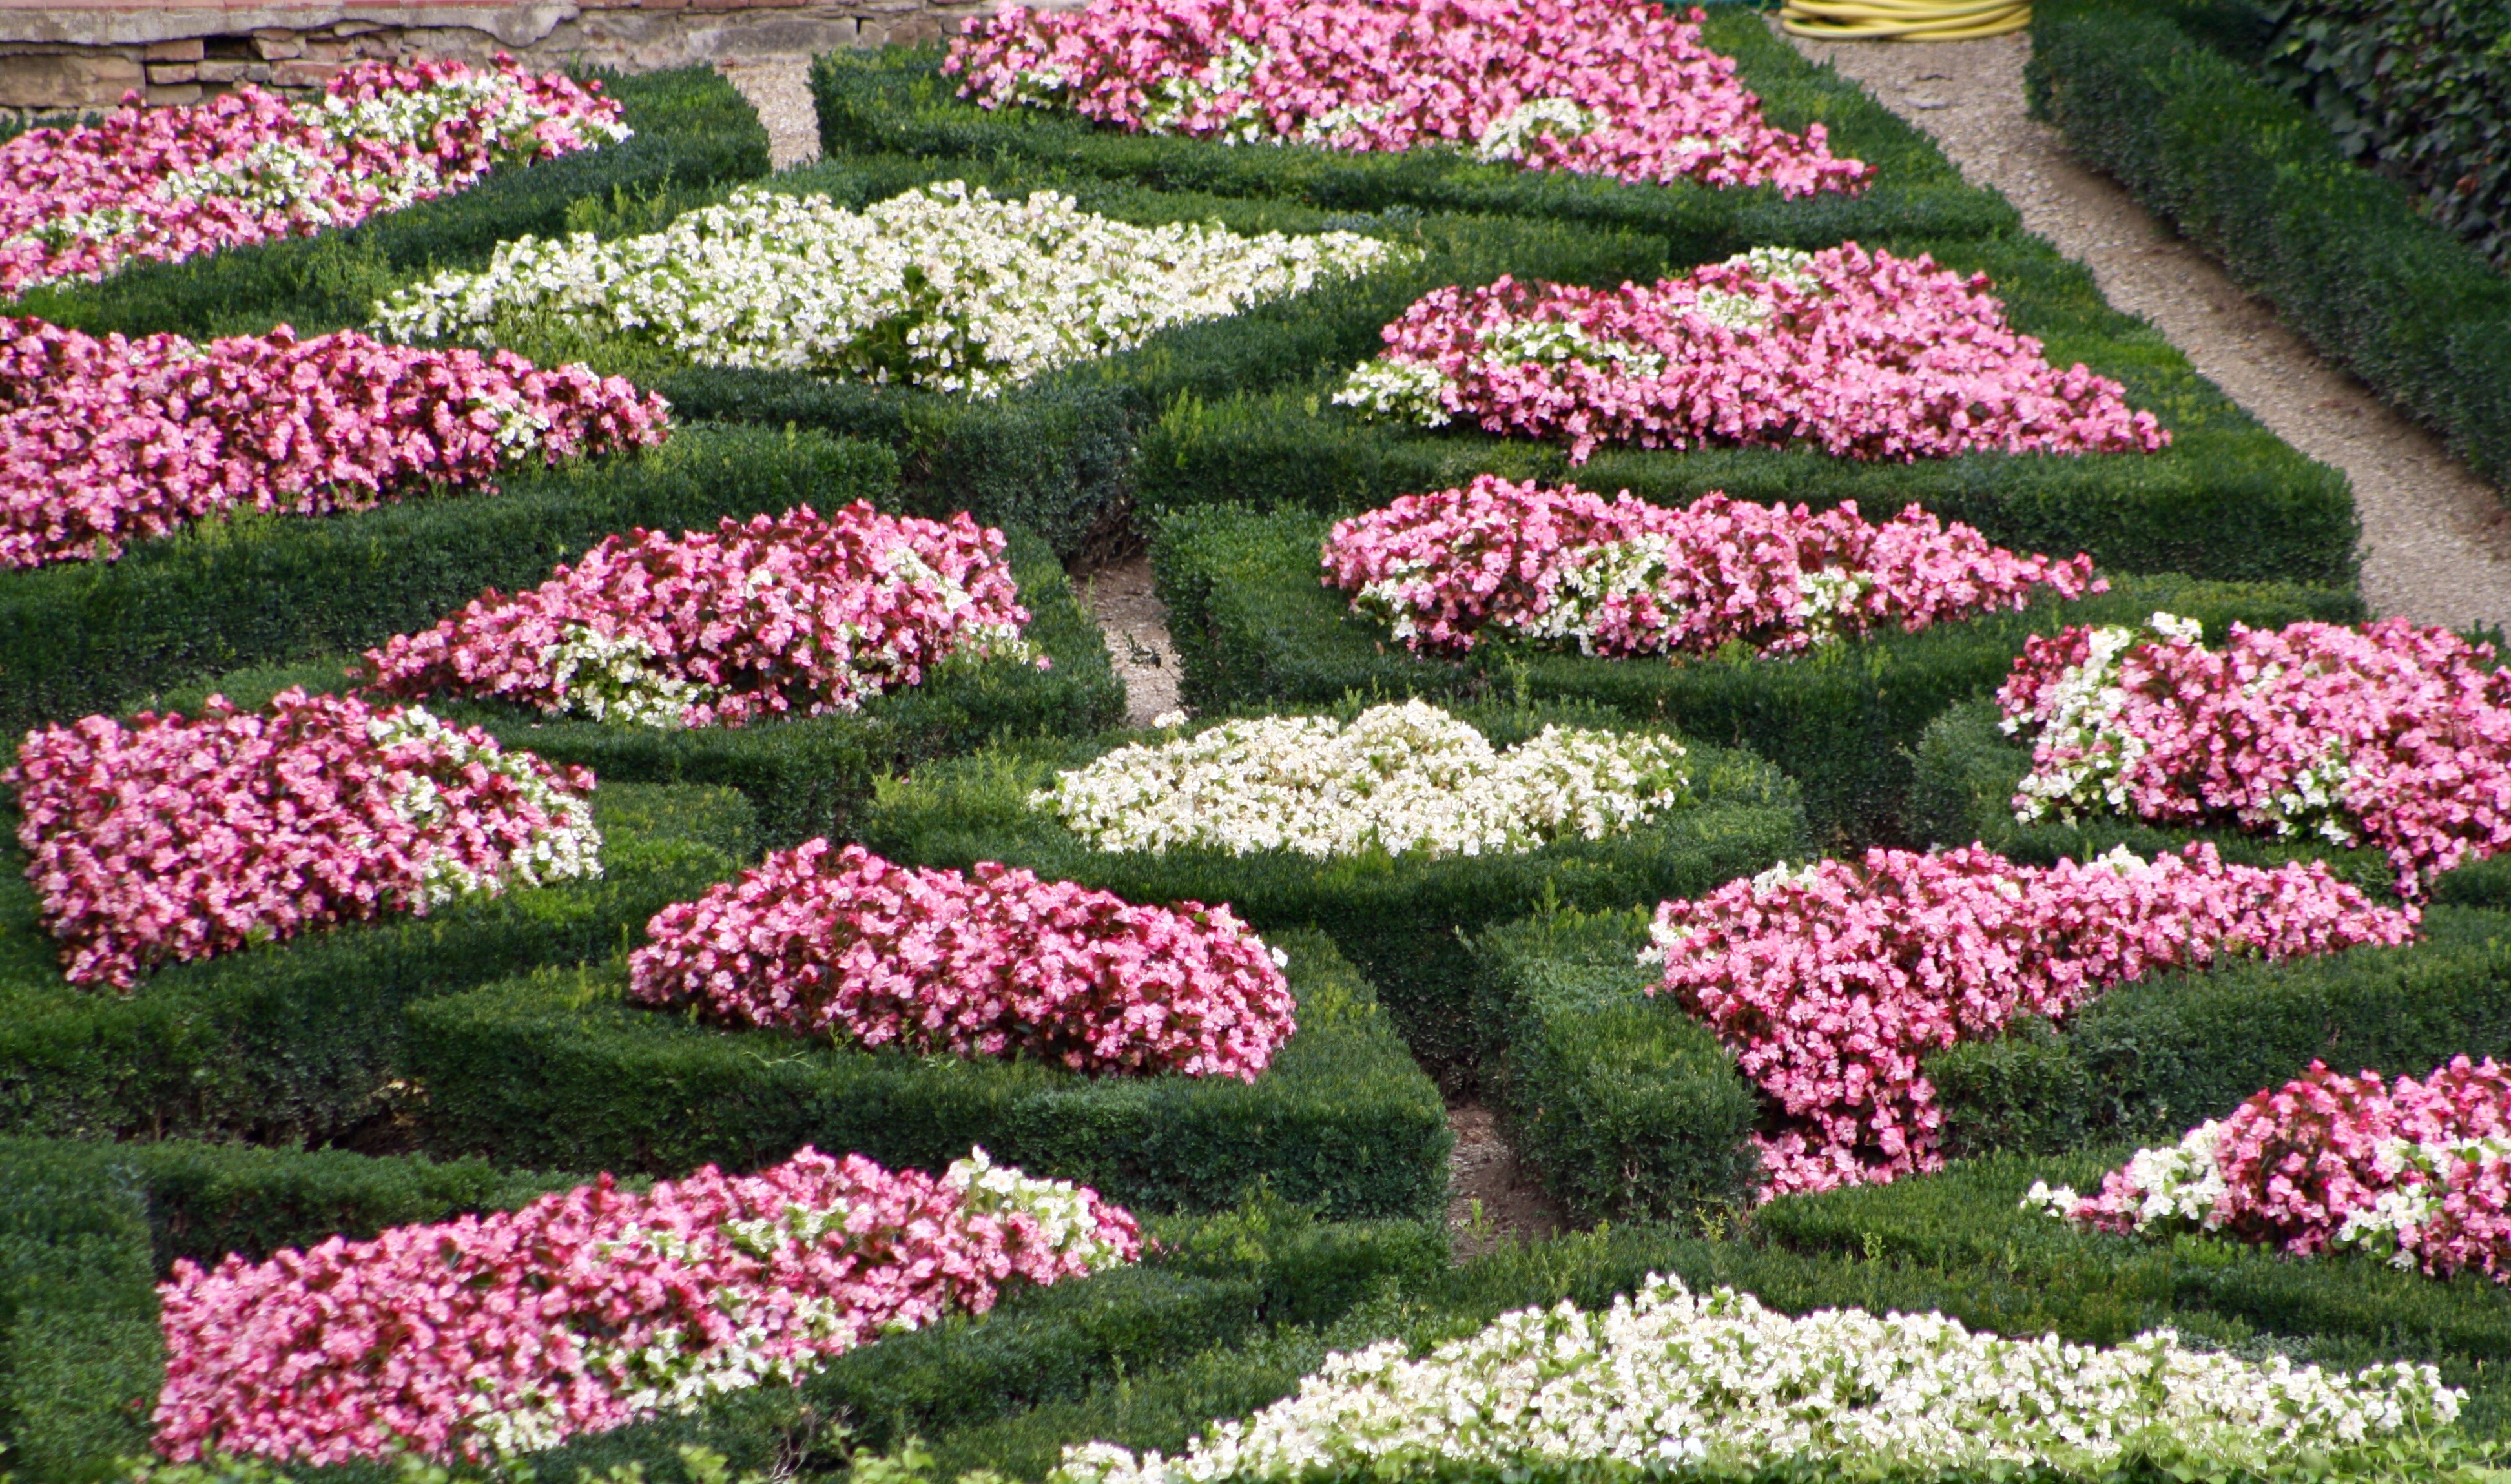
(1507, 138)
(946, 286)
(1404, 779)
(1227, 72)
(606, 680)
(569, 850)
(2182, 1184)
(1664, 1380)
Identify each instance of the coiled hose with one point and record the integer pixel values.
(1903, 19)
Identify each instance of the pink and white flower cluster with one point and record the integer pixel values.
(103, 442)
(1831, 983)
(995, 962)
(1625, 577)
(2388, 734)
(488, 1336)
(165, 184)
(178, 838)
(1625, 92)
(2417, 1172)
(1868, 354)
(792, 614)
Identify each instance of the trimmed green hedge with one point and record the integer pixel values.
(1962, 790)
(2228, 500)
(1623, 1107)
(693, 131)
(561, 1069)
(1397, 918)
(299, 1042)
(893, 101)
(80, 637)
(1251, 619)
(2249, 174)
(805, 777)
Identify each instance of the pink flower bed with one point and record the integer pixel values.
(1831, 983)
(792, 615)
(103, 442)
(2388, 734)
(177, 838)
(994, 963)
(2417, 1172)
(1625, 92)
(1867, 355)
(1630, 578)
(583, 1311)
(165, 184)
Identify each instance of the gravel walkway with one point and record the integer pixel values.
(2436, 539)
(780, 89)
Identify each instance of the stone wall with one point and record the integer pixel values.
(54, 58)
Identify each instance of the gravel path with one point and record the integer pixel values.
(780, 89)
(1137, 626)
(2436, 539)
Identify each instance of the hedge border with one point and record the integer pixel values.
(2263, 187)
(1398, 919)
(559, 1069)
(1253, 619)
(299, 1042)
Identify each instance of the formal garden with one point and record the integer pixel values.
(583, 903)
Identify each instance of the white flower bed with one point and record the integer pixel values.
(1718, 1383)
(1405, 780)
(944, 287)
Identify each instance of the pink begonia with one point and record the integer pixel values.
(2389, 734)
(1863, 354)
(178, 838)
(994, 963)
(103, 442)
(165, 184)
(1629, 577)
(493, 1335)
(1622, 91)
(1832, 984)
(2420, 1172)
(792, 614)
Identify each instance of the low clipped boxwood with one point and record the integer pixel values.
(561, 1069)
(803, 776)
(1398, 917)
(1252, 619)
(82, 637)
(300, 1040)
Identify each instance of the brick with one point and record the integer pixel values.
(187, 50)
(235, 72)
(173, 97)
(286, 45)
(302, 74)
(163, 74)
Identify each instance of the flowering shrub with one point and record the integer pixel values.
(174, 838)
(1627, 92)
(994, 964)
(798, 614)
(2417, 1172)
(1405, 780)
(165, 184)
(1666, 1382)
(1630, 578)
(943, 286)
(1871, 355)
(2387, 735)
(1831, 983)
(583, 1311)
(107, 442)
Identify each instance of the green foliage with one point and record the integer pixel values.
(302, 1040)
(893, 102)
(1251, 619)
(693, 133)
(80, 637)
(803, 776)
(1397, 918)
(1625, 1109)
(561, 1069)
(2250, 175)
(2225, 500)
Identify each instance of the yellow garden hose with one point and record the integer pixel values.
(1903, 19)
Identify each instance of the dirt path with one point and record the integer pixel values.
(780, 89)
(2436, 539)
